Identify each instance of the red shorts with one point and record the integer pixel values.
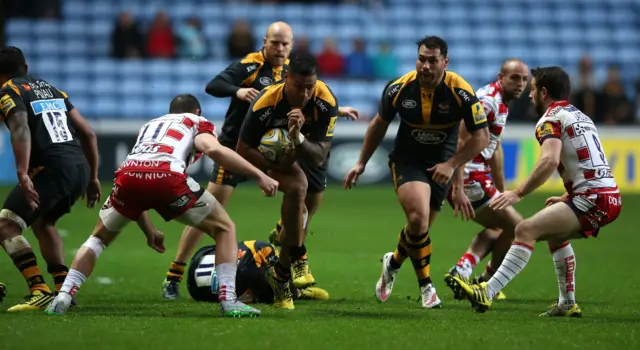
(595, 210)
(171, 195)
(479, 188)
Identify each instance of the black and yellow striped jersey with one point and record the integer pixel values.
(430, 118)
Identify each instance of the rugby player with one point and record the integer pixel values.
(475, 185)
(154, 177)
(56, 156)
(431, 103)
(308, 109)
(242, 81)
(254, 258)
(570, 143)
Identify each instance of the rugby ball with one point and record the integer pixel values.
(273, 144)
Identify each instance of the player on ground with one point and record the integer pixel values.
(51, 143)
(242, 81)
(3, 291)
(431, 103)
(475, 183)
(154, 177)
(254, 259)
(308, 109)
(569, 142)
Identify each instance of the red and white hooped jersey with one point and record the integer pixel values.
(583, 163)
(165, 144)
(491, 98)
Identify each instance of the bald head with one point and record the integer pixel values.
(513, 78)
(278, 43)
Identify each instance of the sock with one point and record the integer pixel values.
(279, 226)
(283, 274)
(226, 281)
(72, 283)
(58, 273)
(28, 266)
(466, 264)
(515, 260)
(400, 254)
(298, 253)
(420, 254)
(565, 262)
(176, 271)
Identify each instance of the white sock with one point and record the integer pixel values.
(565, 262)
(72, 282)
(515, 260)
(226, 273)
(466, 264)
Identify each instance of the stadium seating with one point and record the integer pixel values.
(73, 53)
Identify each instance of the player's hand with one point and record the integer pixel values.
(504, 200)
(554, 200)
(295, 122)
(268, 186)
(462, 203)
(247, 94)
(442, 172)
(93, 193)
(352, 176)
(156, 241)
(29, 191)
(349, 113)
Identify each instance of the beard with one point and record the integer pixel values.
(538, 104)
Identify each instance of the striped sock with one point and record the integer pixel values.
(515, 260)
(28, 266)
(58, 273)
(176, 271)
(564, 260)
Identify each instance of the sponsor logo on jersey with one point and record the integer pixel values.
(266, 81)
(544, 129)
(408, 104)
(7, 104)
(332, 126)
(429, 137)
(479, 116)
(48, 106)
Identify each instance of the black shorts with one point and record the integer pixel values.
(222, 176)
(402, 173)
(58, 190)
(316, 177)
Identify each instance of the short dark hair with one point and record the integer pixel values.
(555, 80)
(12, 62)
(184, 103)
(434, 42)
(303, 64)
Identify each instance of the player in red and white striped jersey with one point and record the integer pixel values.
(154, 177)
(569, 143)
(483, 179)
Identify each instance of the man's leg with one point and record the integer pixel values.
(189, 241)
(564, 261)
(302, 276)
(556, 222)
(52, 250)
(109, 225)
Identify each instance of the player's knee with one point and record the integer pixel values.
(418, 223)
(11, 224)
(15, 244)
(95, 244)
(525, 231)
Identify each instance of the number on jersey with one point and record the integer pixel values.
(54, 117)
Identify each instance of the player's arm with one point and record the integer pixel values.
(88, 140)
(250, 135)
(378, 126)
(316, 147)
(496, 162)
(229, 82)
(549, 135)
(458, 174)
(209, 145)
(15, 114)
(475, 121)
(155, 238)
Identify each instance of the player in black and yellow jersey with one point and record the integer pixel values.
(431, 102)
(308, 109)
(50, 140)
(242, 81)
(254, 259)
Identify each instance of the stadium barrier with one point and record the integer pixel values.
(521, 151)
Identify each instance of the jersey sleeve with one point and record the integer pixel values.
(255, 122)
(471, 108)
(237, 73)
(492, 111)
(10, 100)
(327, 108)
(386, 108)
(549, 129)
(205, 126)
(67, 102)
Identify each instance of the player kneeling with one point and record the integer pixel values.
(154, 177)
(252, 286)
(569, 142)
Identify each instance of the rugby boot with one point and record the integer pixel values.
(301, 273)
(387, 278)
(555, 310)
(38, 300)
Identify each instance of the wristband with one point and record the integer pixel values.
(298, 141)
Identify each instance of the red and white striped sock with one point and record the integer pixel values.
(564, 260)
(226, 274)
(466, 264)
(516, 259)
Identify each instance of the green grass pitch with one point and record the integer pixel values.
(121, 307)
